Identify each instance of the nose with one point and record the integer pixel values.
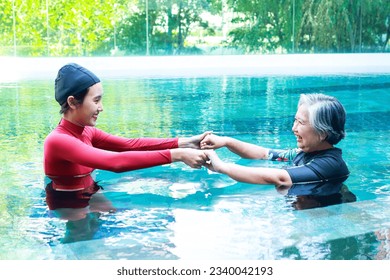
(294, 127)
(100, 107)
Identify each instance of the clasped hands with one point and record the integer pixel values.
(198, 151)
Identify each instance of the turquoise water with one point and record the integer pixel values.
(175, 212)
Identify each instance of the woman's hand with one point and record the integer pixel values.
(193, 142)
(192, 157)
(214, 163)
(212, 141)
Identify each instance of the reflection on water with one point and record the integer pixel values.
(81, 209)
(302, 202)
(360, 247)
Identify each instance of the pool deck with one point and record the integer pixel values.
(19, 68)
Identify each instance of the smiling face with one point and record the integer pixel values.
(308, 139)
(86, 113)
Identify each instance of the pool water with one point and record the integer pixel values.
(175, 212)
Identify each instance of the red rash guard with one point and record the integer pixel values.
(72, 152)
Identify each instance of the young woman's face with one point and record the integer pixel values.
(307, 138)
(88, 111)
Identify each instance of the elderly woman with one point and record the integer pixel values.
(317, 166)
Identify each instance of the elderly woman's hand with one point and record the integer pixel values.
(212, 141)
(214, 163)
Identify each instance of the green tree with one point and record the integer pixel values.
(169, 23)
(308, 25)
(6, 27)
(26, 29)
(58, 27)
(331, 26)
(80, 28)
(262, 26)
(96, 27)
(344, 25)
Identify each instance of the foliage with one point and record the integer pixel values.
(139, 27)
(169, 23)
(262, 25)
(309, 25)
(342, 26)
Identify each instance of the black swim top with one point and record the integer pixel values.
(318, 173)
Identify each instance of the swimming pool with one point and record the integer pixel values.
(174, 212)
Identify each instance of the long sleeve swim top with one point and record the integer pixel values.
(72, 152)
(316, 173)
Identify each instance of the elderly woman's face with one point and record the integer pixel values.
(307, 138)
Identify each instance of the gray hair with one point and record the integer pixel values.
(326, 114)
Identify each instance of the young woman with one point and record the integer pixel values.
(317, 166)
(76, 147)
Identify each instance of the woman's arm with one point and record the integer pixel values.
(252, 175)
(243, 149)
(64, 153)
(109, 142)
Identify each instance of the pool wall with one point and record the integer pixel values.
(19, 68)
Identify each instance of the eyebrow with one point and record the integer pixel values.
(300, 119)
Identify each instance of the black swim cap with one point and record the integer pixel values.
(73, 79)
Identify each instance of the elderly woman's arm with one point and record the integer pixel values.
(251, 175)
(243, 149)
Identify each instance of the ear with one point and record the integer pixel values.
(72, 102)
(323, 136)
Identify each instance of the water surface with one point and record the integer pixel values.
(175, 212)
